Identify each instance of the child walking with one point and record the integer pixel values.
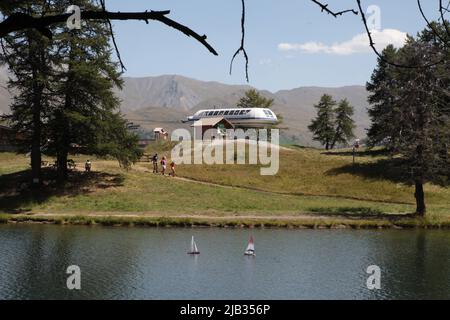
(172, 169)
(163, 165)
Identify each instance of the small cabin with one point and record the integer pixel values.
(160, 134)
(219, 124)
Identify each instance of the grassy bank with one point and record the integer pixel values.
(291, 223)
(312, 189)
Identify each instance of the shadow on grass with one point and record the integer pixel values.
(17, 196)
(298, 146)
(388, 169)
(364, 153)
(358, 212)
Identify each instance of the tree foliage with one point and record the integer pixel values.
(68, 82)
(410, 111)
(253, 99)
(344, 124)
(333, 123)
(322, 126)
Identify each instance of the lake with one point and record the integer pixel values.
(151, 263)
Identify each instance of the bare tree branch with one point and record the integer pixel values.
(442, 11)
(122, 66)
(324, 8)
(435, 32)
(242, 47)
(374, 49)
(21, 21)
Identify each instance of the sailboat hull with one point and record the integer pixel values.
(193, 253)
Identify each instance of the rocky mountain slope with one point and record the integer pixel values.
(164, 101)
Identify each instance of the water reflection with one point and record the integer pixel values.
(121, 263)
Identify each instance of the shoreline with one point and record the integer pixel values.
(260, 222)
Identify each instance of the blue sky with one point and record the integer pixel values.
(290, 42)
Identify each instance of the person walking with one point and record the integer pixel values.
(88, 165)
(172, 169)
(155, 163)
(163, 165)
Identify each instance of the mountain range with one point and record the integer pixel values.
(163, 101)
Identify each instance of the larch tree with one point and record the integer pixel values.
(253, 99)
(344, 124)
(322, 126)
(87, 104)
(63, 92)
(30, 62)
(416, 117)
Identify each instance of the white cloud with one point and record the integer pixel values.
(358, 44)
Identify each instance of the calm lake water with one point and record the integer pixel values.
(134, 263)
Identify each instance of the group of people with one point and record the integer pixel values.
(163, 163)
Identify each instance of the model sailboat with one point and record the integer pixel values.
(194, 249)
(250, 251)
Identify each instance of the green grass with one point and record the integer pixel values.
(312, 189)
(311, 223)
(312, 172)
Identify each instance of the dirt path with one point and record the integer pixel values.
(296, 194)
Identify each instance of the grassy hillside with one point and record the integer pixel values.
(310, 183)
(314, 172)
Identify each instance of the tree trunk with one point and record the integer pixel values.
(62, 165)
(420, 199)
(62, 144)
(36, 146)
(36, 134)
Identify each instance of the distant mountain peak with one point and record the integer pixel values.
(165, 100)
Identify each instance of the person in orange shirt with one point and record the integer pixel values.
(172, 169)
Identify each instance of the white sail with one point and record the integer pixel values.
(194, 248)
(251, 245)
(192, 244)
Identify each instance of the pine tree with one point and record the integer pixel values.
(253, 99)
(29, 61)
(344, 123)
(87, 119)
(63, 87)
(411, 114)
(383, 107)
(323, 125)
